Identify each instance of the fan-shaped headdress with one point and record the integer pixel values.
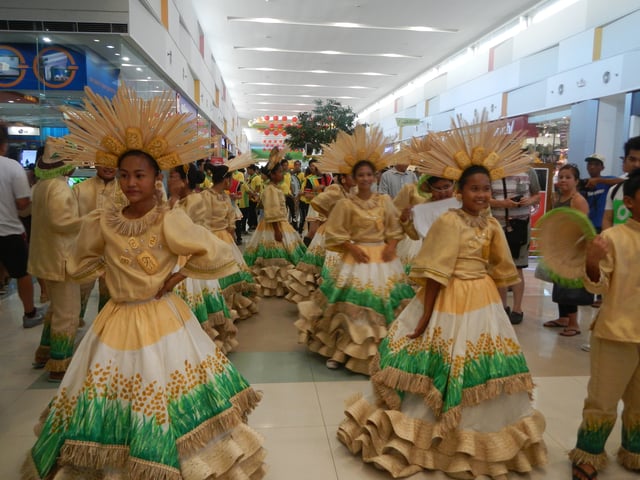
(241, 161)
(341, 155)
(275, 157)
(482, 143)
(106, 129)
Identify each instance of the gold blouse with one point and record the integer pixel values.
(195, 207)
(353, 219)
(54, 225)
(220, 212)
(324, 202)
(617, 318)
(466, 247)
(96, 193)
(274, 204)
(138, 255)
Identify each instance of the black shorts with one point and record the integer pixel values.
(14, 254)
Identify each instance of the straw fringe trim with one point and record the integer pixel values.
(388, 381)
(629, 460)
(598, 461)
(57, 366)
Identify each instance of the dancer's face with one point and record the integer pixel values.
(364, 177)
(137, 178)
(476, 193)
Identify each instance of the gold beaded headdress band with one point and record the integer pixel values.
(342, 155)
(481, 143)
(106, 129)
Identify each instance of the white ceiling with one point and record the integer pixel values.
(467, 20)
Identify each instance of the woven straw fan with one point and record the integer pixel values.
(563, 236)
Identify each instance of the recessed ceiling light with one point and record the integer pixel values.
(110, 46)
(269, 69)
(325, 52)
(408, 28)
(46, 39)
(138, 69)
(148, 78)
(10, 101)
(268, 84)
(117, 54)
(96, 40)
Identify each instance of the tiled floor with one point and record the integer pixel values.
(303, 400)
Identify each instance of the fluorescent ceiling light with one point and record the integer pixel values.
(328, 72)
(280, 21)
(298, 96)
(269, 84)
(325, 52)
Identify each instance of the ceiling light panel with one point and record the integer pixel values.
(319, 72)
(280, 21)
(269, 84)
(324, 52)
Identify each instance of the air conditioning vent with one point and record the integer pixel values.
(25, 25)
(46, 26)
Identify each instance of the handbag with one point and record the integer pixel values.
(571, 296)
(516, 230)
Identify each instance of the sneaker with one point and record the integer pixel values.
(516, 317)
(585, 347)
(30, 321)
(332, 364)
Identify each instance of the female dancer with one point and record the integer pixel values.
(450, 377)
(568, 196)
(238, 289)
(275, 247)
(347, 320)
(204, 297)
(305, 278)
(147, 394)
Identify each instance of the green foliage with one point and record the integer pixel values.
(320, 126)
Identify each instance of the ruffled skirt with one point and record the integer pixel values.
(269, 260)
(238, 289)
(456, 399)
(305, 277)
(349, 314)
(407, 251)
(148, 395)
(205, 299)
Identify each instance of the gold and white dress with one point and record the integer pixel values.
(147, 395)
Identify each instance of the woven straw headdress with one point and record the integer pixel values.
(347, 150)
(106, 129)
(480, 143)
(275, 157)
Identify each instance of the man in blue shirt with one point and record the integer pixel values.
(596, 193)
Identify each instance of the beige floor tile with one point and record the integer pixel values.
(298, 453)
(332, 396)
(287, 405)
(24, 412)
(13, 453)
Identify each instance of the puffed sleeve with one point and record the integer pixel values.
(439, 252)
(209, 257)
(63, 214)
(86, 262)
(271, 205)
(325, 201)
(404, 197)
(392, 228)
(230, 220)
(195, 208)
(501, 266)
(606, 269)
(336, 230)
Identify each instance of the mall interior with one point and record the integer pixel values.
(565, 71)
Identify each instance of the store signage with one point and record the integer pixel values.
(24, 131)
(24, 66)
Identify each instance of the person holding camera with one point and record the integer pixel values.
(512, 198)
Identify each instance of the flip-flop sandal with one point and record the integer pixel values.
(570, 332)
(554, 324)
(582, 473)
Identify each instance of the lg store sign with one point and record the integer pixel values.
(26, 131)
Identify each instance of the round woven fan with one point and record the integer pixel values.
(563, 234)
